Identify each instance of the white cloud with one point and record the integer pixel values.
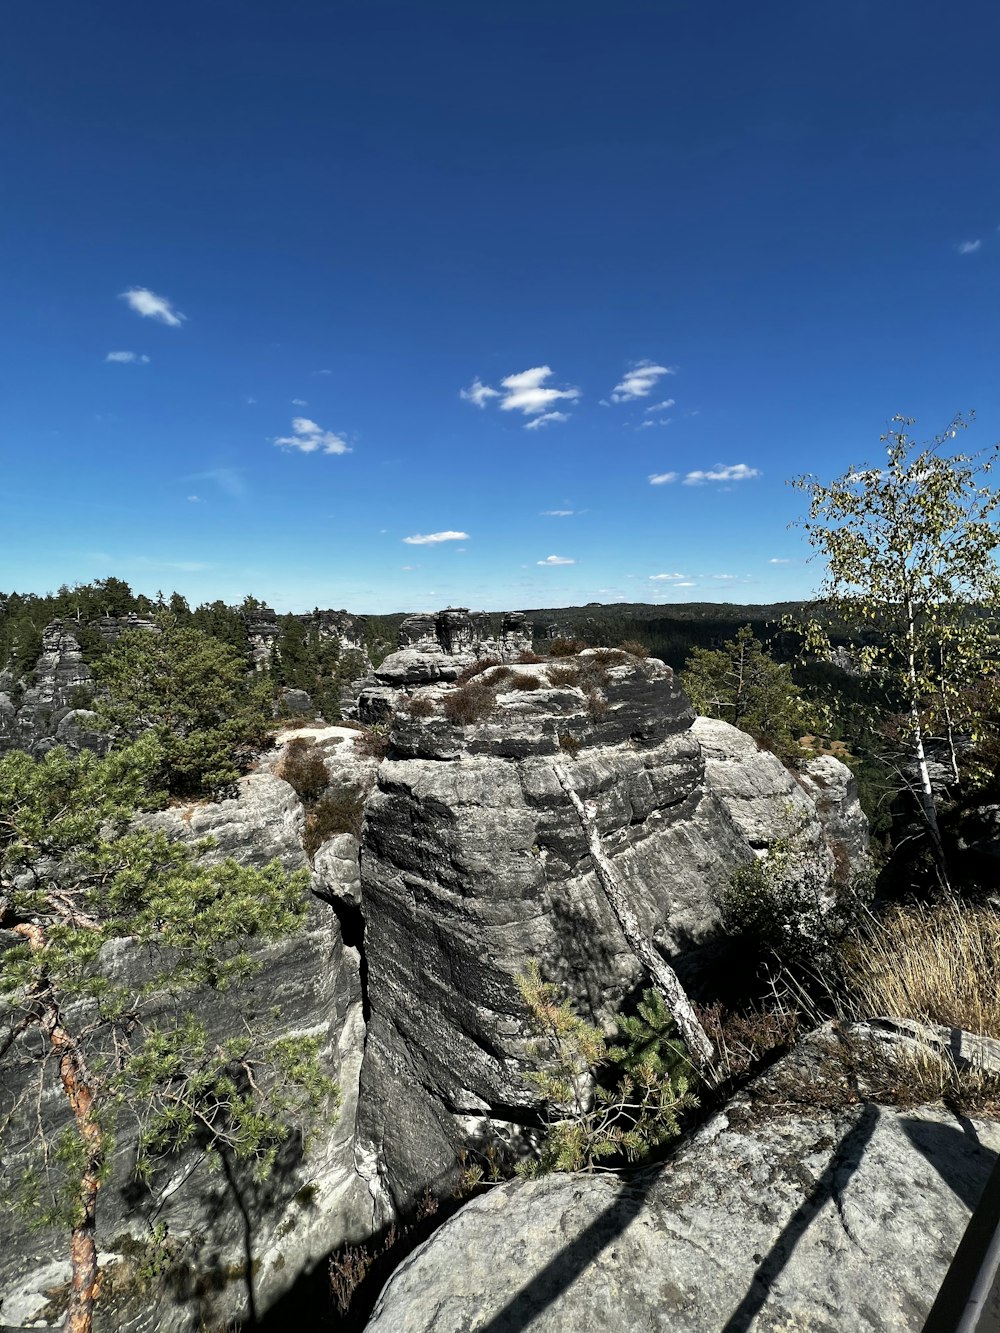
(323, 372)
(478, 393)
(558, 513)
(968, 247)
(723, 576)
(308, 437)
(128, 358)
(299, 402)
(734, 472)
(544, 418)
(525, 392)
(150, 306)
(777, 560)
(194, 499)
(251, 402)
(408, 566)
(685, 585)
(662, 478)
(432, 538)
(659, 578)
(555, 560)
(639, 381)
(662, 407)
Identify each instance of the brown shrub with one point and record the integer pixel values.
(469, 703)
(634, 648)
(566, 647)
(498, 674)
(609, 657)
(476, 668)
(421, 705)
(522, 680)
(372, 744)
(302, 767)
(528, 657)
(564, 675)
(597, 705)
(336, 812)
(570, 744)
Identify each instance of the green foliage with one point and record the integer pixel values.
(589, 1122)
(912, 579)
(740, 683)
(649, 1037)
(79, 883)
(193, 694)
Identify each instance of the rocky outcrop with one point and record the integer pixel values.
(474, 860)
(806, 1204)
(37, 714)
(222, 1228)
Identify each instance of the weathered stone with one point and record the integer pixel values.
(337, 871)
(309, 1204)
(833, 789)
(474, 860)
(775, 1216)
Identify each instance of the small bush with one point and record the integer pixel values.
(634, 648)
(564, 675)
(529, 658)
(372, 743)
(597, 705)
(570, 744)
(475, 669)
(469, 703)
(609, 657)
(421, 705)
(302, 767)
(566, 647)
(521, 680)
(498, 675)
(336, 812)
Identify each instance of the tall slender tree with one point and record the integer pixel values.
(911, 577)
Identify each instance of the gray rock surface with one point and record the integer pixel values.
(799, 1207)
(473, 862)
(38, 720)
(833, 789)
(310, 1204)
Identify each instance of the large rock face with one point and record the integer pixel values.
(43, 714)
(474, 861)
(777, 1215)
(222, 1226)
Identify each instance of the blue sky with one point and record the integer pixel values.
(713, 243)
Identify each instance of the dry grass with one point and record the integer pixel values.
(564, 675)
(932, 964)
(634, 648)
(566, 647)
(469, 703)
(476, 668)
(522, 680)
(302, 766)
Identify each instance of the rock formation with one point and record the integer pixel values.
(44, 711)
(808, 1203)
(474, 860)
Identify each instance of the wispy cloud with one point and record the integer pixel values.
(478, 393)
(685, 585)
(150, 306)
(407, 567)
(308, 438)
(228, 479)
(558, 513)
(778, 560)
(664, 578)
(545, 418)
(526, 392)
(251, 402)
(299, 402)
(662, 478)
(194, 499)
(128, 358)
(555, 560)
(640, 381)
(968, 247)
(734, 472)
(432, 538)
(662, 407)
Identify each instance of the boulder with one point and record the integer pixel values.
(801, 1206)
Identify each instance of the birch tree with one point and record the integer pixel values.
(911, 577)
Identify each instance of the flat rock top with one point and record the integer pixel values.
(818, 1221)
